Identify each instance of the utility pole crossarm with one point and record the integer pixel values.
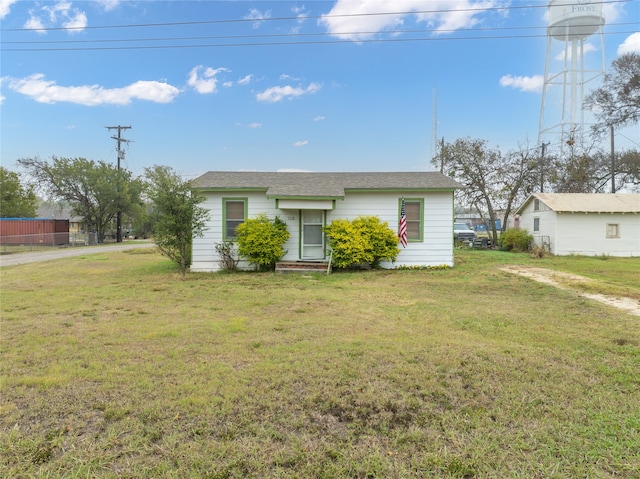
(120, 155)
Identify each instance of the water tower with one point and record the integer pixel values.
(571, 22)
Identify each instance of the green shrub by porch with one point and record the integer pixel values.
(365, 240)
(261, 241)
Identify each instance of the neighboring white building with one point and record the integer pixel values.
(583, 224)
(307, 202)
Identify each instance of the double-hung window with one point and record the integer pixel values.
(613, 230)
(234, 213)
(414, 209)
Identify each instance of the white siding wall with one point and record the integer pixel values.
(586, 234)
(436, 249)
(547, 225)
(583, 234)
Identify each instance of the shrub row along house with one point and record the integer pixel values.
(307, 202)
(583, 224)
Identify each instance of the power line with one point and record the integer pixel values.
(293, 35)
(297, 18)
(316, 42)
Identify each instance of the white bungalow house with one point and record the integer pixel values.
(584, 224)
(307, 202)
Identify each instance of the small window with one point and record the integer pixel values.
(414, 210)
(536, 205)
(613, 230)
(234, 212)
(536, 224)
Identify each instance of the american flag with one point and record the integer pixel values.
(402, 230)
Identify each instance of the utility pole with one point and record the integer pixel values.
(544, 146)
(613, 164)
(120, 151)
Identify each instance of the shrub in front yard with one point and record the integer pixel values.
(515, 240)
(365, 240)
(261, 241)
(228, 255)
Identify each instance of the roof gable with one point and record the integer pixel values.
(587, 202)
(322, 185)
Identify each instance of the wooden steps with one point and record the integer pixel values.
(302, 267)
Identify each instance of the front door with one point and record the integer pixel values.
(312, 236)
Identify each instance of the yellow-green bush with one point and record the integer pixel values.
(261, 240)
(365, 240)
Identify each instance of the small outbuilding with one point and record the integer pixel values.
(307, 202)
(583, 223)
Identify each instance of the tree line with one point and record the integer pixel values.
(160, 203)
(163, 204)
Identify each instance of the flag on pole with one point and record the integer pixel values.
(402, 230)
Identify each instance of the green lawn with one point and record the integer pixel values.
(113, 367)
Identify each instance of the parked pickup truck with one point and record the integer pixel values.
(461, 232)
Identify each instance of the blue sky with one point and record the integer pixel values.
(341, 85)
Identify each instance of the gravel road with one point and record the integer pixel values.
(32, 257)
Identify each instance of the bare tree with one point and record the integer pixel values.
(494, 181)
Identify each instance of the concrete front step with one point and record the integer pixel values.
(302, 267)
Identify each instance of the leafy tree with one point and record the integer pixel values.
(617, 102)
(590, 170)
(16, 200)
(177, 218)
(365, 240)
(628, 167)
(96, 191)
(261, 240)
(493, 181)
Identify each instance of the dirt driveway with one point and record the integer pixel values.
(548, 276)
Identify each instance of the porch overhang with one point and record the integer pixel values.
(305, 204)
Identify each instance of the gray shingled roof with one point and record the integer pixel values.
(588, 202)
(323, 185)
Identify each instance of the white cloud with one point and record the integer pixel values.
(61, 14)
(34, 23)
(255, 14)
(588, 47)
(359, 20)
(108, 5)
(630, 45)
(319, 118)
(205, 82)
(301, 16)
(612, 11)
(5, 7)
(46, 91)
(245, 80)
(301, 143)
(278, 93)
(253, 125)
(77, 22)
(227, 84)
(529, 84)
